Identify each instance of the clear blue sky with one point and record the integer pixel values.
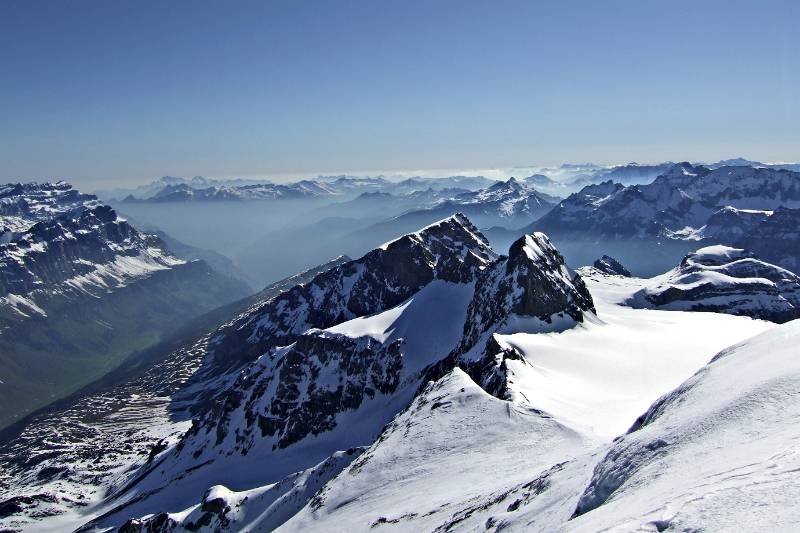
(112, 91)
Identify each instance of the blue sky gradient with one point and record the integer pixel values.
(107, 92)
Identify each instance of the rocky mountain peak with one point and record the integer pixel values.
(452, 250)
(609, 265)
(532, 282)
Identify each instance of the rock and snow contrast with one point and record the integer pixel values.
(676, 204)
(725, 280)
(649, 226)
(80, 289)
(609, 265)
(434, 385)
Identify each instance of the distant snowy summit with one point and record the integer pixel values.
(679, 201)
(264, 191)
(725, 280)
(175, 190)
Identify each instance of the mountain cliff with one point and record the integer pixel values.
(80, 289)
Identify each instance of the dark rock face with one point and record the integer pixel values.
(17, 504)
(299, 391)
(776, 239)
(533, 282)
(450, 250)
(729, 224)
(609, 265)
(490, 371)
(727, 280)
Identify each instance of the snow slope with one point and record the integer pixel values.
(601, 374)
(454, 449)
(460, 459)
(717, 454)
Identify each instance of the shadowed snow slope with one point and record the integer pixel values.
(455, 449)
(717, 454)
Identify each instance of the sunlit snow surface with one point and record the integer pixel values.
(461, 459)
(600, 375)
(430, 323)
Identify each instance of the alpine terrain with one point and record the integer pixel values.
(433, 384)
(81, 289)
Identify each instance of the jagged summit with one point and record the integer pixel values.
(531, 290)
(328, 363)
(451, 250)
(456, 226)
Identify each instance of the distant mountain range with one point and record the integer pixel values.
(198, 189)
(683, 206)
(80, 289)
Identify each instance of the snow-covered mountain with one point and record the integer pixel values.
(71, 273)
(508, 204)
(684, 206)
(511, 199)
(183, 192)
(609, 265)
(430, 385)
(630, 174)
(725, 280)
(170, 190)
(775, 238)
(470, 183)
(677, 202)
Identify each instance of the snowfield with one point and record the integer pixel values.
(720, 453)
(600, 375)
(459, 459)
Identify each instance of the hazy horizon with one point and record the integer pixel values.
(108, 93)
(499, 173)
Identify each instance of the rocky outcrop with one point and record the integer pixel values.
(725, 280)
(532, 282)
(609, 265)
(300, 390)
(529, 290)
